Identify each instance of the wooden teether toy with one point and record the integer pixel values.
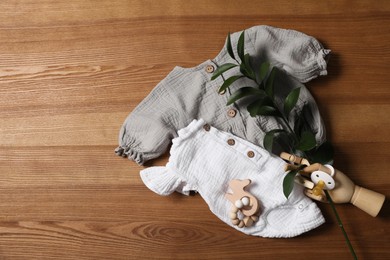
(242, 201)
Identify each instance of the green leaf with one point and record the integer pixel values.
(262, 108)
(240, 46)
(301, 124)
(257, 104)
(268, 111)
(323, 154)
(269, 86)
(269, 137)
(247, 61)
(264, 67)
(291, 101)
(307, 141)
(244, 71)
(244, 92)
(229, 46)
(223, 68)
(246, 67)
(288, 181)
(228, 82)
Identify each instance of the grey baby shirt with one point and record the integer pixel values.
(188, 93)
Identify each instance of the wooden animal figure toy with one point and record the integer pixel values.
(242, 201)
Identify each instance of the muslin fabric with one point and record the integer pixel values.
(203, 159)
(189, 93)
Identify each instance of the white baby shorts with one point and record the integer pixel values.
(204, 159)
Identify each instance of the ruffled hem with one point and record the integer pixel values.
(316, 66)
(321, 60)
(130, 153)
(160, 180)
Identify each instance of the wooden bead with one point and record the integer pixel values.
(245, 201)
(234, 209)
(238, 204)
(232, 215)
(241, 224)
(235, 221)
(254, 218)
(248, 221)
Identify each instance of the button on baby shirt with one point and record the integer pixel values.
(205, 159)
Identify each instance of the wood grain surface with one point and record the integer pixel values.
(71, 71)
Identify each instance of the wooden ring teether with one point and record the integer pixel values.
(242, 201)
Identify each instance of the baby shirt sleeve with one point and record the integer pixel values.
(149, 128)
(300, 55)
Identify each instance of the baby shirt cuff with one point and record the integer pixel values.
(314, 63)
(319, 67)
(322, 57)
(130, 153)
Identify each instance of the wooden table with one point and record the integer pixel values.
(71, 71)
